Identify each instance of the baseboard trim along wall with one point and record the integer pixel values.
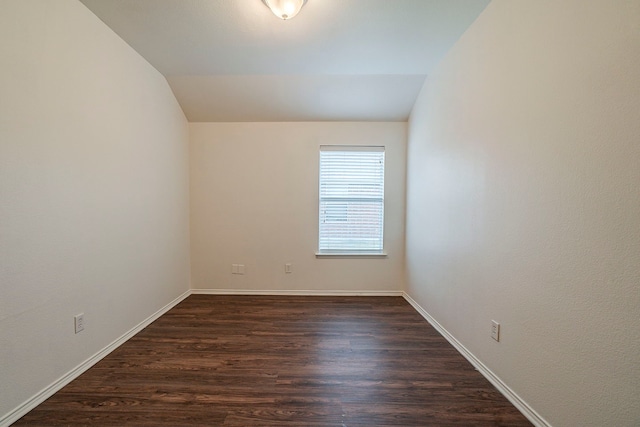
(297, 292)
(52, 388)
(516, 400)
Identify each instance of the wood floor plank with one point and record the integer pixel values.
(282, 361)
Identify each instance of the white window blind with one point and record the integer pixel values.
(351, 199)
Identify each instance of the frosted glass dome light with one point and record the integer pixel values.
(285, 9)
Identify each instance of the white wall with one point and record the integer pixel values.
(254, 201)
(93, 192)
(524, 203)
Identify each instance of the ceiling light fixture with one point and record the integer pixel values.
(285, 9)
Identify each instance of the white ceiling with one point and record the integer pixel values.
(233, 60)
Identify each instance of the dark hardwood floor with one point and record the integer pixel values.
(282, 361)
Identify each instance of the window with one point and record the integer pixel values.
(351, 217)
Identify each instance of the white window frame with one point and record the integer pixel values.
(342, 248)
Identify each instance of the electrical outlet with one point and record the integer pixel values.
(287, 268)
(495, 330)
(78, 321)
(234, 268)
(240, 268)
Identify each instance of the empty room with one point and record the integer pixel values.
(320, 213)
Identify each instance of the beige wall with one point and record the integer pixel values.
(93, 192)
(524, 203)
(254, 201)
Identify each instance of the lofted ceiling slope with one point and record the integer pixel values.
(338, 60)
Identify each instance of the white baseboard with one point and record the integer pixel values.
(52, 388)
(516, 400)
(296, 292)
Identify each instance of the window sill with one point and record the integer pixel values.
(350, 255)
